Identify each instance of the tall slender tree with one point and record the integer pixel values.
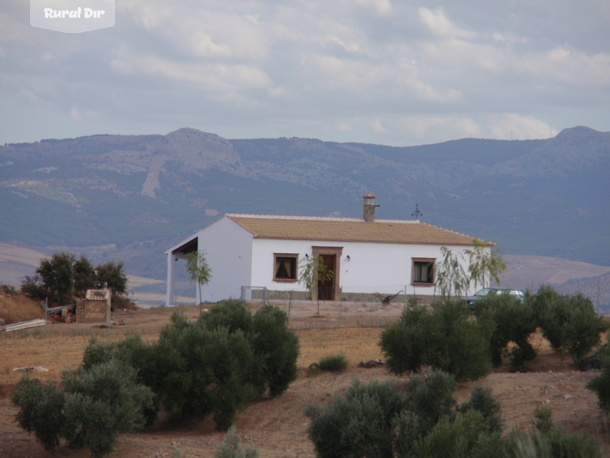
(451, 278)
(198, 268)
(313, 272)
(483, 265)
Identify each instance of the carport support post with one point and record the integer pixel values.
(171, 278)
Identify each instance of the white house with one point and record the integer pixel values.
(367, 256)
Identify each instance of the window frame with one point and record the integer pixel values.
(294, 260)
(431, 272)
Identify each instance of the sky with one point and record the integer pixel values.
(390, 72)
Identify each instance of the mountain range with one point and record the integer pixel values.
(130, 197)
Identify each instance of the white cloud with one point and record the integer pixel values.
(208, 77)
(380, 7)
(365, 81)
(377, 127)
(438, 23)
(565, 65)
(361, 70)
(79, 114)
(511, 126)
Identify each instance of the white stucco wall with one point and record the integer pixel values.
(237, 259)
(371, 268)
(228, 249)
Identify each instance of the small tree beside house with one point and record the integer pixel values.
(198, 269)
(313, 272)
(452, 279)
(484, 266)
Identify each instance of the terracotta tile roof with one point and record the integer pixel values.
(350, 230)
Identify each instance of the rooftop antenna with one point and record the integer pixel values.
(416, 213)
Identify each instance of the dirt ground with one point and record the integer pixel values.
(278, 427)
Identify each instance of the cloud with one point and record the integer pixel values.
(354, 70)
(512, 126)
(209, 77)
(565, 65)
(380, 7)
(363, 81)
(438, 23)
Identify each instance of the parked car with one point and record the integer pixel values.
(494, 291)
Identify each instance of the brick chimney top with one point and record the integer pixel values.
(369, 208)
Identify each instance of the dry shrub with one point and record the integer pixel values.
(14, 309)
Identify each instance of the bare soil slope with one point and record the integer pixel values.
(278, 427)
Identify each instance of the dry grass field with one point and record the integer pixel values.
(277, 427)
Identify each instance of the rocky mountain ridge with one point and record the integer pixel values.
(130, 197)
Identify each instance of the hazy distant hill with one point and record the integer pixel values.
(131, 197)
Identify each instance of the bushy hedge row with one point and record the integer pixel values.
(448, 338)
(383, 419)
(208, 367)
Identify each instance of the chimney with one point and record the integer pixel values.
(369, 208)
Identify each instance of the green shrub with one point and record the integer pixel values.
(555, 443)
(549, 440)
(131, 350)
(231, 314)
(432, 398)
(359, 423)
(7, 290)
(202, 371)
(542, 303)
(95, 405)
(444, 338)
(276, 348)
(544, 419)
(465, 436)
(484, 402)
(115, 384)
(409, 430)
(211, 366)
(34, 287)
(405, 342)
(333, 363)
(41, 410)
(231, 447)
(513, 321)
(381, 419)
(601, 385)
(568, 322)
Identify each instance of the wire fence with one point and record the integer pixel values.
(353, 309)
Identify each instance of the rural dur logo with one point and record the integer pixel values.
(72, 16)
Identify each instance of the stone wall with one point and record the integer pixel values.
(91, 311)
